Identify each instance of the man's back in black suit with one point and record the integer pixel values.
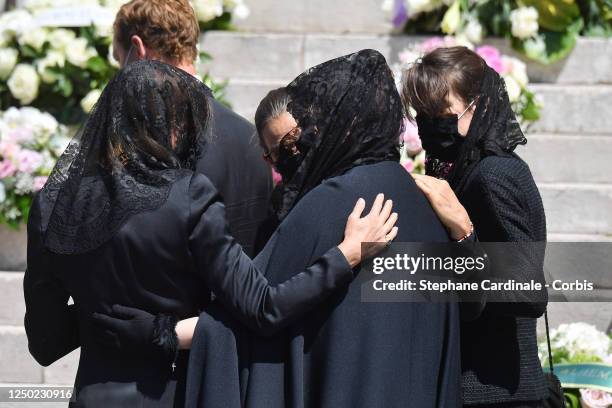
(232, 159)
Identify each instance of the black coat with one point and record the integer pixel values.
(345, 354)
(168, 260)
(499, 349)
(232, 160)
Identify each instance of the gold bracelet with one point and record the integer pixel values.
(469, 234)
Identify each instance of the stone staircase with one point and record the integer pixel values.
(569, 149)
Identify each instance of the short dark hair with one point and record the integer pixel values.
(428, 82)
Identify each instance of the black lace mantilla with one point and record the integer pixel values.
(350, 114)
(494, 130)
(143, 134)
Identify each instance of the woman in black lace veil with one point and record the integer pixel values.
(124, 220)
(346, 353)
(469, 133)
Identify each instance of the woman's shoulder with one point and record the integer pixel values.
(502, 170)
(498, 176)
(501, 166)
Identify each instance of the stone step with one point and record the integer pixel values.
(316, 15)
(598, 314)
(575, 109)
(557, 237)
(12, 304)
(577, 208)
(584, 158)
(19, 366)
(282, 56)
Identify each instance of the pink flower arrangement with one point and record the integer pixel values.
(29, 161)
(409, 165)
(411, 139)
(39, 182)
(29, 141)
(7, 169)
(595, 399)
(492, 57)
(437, 42)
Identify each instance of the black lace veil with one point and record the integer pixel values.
(494, 129)
(145, 130)
(350, 114)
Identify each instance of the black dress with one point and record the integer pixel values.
(232, 160)
(499, 349)
(346, 353)
(166, 260)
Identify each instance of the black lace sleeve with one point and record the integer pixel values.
(235, 280)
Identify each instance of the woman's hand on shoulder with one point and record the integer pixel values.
(377, 229)
(446, 205)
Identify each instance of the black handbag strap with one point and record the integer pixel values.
(550, 360)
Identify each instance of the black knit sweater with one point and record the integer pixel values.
(499, 349)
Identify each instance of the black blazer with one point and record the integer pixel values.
(499, 349)
(232, 160)
(346, 353)
(164, 261)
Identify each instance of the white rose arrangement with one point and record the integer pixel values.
(50, 68)
(62, 70)
(576, 343)
(524, 22)
(218, 14)
(24, 83)
(579, 343)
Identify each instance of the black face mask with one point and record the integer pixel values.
(288, 162)
(440, 136)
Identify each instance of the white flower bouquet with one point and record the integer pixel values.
(62, 70)
(30, 143)
(52, 69)
(543, 30)
(207, 11)
(579, 343)
(218, 14)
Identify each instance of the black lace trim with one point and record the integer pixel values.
(350, 114)
(144, 133)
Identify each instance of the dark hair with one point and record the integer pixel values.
(273, 105)
(428, 82)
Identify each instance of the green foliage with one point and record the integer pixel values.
(530, 108)
(572, 398)
(223, 22)
(555, 15)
